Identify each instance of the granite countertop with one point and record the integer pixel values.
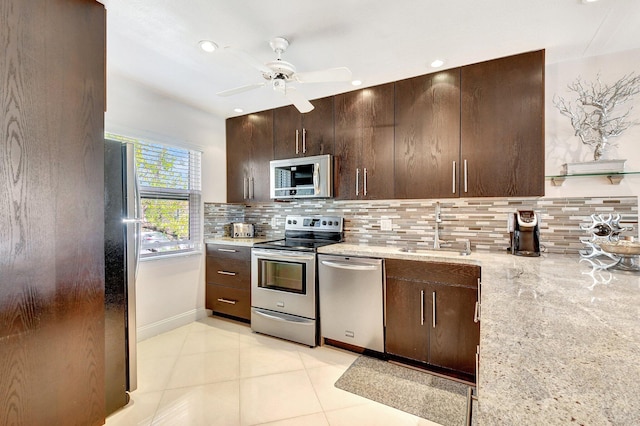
(559, 342)
(245, 242)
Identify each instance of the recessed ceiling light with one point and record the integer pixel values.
(238, 110)
(437, 63)
(356, 82)
(208, 46)
(588, 1)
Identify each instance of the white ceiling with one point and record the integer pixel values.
(155, 42)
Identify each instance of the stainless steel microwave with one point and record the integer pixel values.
(303, 177)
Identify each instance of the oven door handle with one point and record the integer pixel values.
(350, 266)
(280, 256)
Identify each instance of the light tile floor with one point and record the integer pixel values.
(217, 372)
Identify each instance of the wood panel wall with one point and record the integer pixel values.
(52, 98)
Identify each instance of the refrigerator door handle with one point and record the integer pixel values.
(133, 225)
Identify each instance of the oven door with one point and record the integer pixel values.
(284, 281)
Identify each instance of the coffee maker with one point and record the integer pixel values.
(524, 230)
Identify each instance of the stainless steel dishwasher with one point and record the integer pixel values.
(351, 300)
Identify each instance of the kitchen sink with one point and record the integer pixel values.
(463, 248)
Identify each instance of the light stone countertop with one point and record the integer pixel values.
(559, 342)
(244, 242)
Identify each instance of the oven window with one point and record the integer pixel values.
(282, 276)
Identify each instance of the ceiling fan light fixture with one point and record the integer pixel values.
(208, 45)
(437, 63)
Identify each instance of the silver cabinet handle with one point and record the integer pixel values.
(297, 136)
(228, 250)
(231, 302)
(304, 140)
(245, 187)
(233, 274)
(364, 192)
(453, 180)
(466, 177)
(251, 189)
(478, 313)
(433, 311)
(357, 182)
(421, 307)
(477, 362)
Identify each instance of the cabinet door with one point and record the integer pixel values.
(376, 156)
(261, 155)
(249, 150)
(318, 130)
(301, 135)
(454, 336)
(286, 122)
(238, 154)
(364, 140)
(348, 130)
(502, 127)
(427, 138)
(407, 325)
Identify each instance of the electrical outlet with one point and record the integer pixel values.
(386, 225)
(274, 222)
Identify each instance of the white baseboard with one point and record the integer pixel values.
(171, 323)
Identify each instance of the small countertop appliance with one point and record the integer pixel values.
(524, 230)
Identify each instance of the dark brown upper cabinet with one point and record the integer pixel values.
(502, 127)
(364, 128)
(427, 136)
(301, 135)
(249, 150)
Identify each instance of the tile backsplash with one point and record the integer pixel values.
(483, 221)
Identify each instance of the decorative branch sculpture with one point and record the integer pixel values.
(593, 117)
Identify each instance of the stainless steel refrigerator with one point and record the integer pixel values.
(122, 240)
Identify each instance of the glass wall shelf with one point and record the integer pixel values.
(614, 178)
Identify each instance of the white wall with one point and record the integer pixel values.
(562, 146)
(170, 291)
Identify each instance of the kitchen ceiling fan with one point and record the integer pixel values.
(279, 73)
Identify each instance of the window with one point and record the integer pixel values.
(169, 182)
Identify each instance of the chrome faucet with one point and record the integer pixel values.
(436, 238)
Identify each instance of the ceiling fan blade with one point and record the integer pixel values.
(298, 100)
(248, 59)
(328, 75)
(240, 89)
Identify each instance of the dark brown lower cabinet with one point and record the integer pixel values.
(228, 279)
(431, 308)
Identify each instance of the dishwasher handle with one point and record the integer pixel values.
(350, 266)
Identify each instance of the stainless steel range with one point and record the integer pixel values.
(284, 281)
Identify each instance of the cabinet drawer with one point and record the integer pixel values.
(228, 251)
(229, 301)
(439, 272)
(229, 272)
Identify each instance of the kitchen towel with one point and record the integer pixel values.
(419, 393)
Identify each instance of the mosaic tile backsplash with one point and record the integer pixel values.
(483, 221)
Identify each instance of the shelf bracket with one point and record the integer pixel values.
(557, 180)
(615, 179)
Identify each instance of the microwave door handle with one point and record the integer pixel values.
(316, 178)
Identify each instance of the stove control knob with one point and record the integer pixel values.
(330, 223)
(324, 222)
(289, 222)
(295, 222)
